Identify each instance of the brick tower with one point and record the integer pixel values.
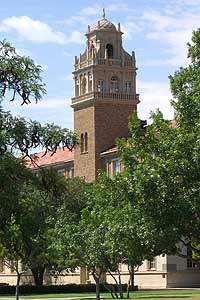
(105, 95)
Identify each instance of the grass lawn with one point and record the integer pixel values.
(140, 295)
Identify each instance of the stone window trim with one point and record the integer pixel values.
(114, 84)
(110, 52)
(114, 166)
(83, 85)
(151, 264)
(128, 87)
(84, 143)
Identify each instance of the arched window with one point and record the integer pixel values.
(114, 84)
(109, 48)
(76, 87)
(91, 49)
(90, 82)
(86, 142)
(82, 143)
(83, 85)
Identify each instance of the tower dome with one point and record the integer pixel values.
(103, 24)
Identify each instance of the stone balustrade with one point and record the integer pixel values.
(102, 95)
(103, 61)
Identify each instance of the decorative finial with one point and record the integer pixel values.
(104, 14)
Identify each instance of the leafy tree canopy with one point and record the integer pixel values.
(162, 162)
(24, 199)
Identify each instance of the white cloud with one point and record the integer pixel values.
(130, 28)
(32, 30)
(157, 21)
(76, 37)
(173, 31)
(37, 31)
(154, 95)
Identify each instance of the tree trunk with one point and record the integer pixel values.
(97, 281)
(17, 286)
(131, 280)
(132, 276)
(38, 274)
(120, 286)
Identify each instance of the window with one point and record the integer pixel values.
(76, 87)
(84, 142)
(91, 49)
(61, 171)
(191, 264)
(24, 267)
(116, 166)
(71, 173)
(128, 87)
(109, 48)
(90, 82)
(151, 264)
(83, 85)
(12, 266)
(114, 85)
(100, 86)
(1, 265)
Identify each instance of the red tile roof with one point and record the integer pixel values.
(61, 156)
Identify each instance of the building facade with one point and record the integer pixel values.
(104, 97)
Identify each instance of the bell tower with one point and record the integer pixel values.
(105, 95)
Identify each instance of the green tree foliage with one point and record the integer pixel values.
(163, 163)
(19, 75)
(109, 232)
(29, 233)
(20, 80)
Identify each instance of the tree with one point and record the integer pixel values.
(67, 221)
(28, 235)
(109, 232)
(20, 79)
(162, 163)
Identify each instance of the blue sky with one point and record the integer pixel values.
(52, 33)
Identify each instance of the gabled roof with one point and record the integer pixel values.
(109, 151)
(61, 156)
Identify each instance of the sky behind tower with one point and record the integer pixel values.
(53, 32)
